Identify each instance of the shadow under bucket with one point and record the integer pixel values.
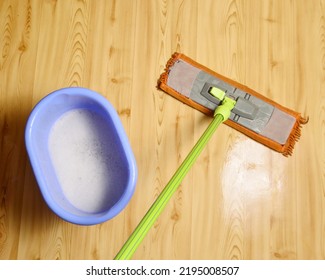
(80, 156)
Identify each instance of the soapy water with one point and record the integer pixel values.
(87, 160)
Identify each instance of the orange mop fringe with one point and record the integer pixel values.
(286, 149)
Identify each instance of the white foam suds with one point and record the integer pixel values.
(82, 152)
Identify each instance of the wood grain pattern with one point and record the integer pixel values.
(240, 200)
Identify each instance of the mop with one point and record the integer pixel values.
(236, 105)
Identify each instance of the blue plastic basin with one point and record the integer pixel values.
(86, 171)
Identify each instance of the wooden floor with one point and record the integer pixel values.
(240, 199)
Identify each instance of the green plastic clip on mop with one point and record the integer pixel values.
(221, 114)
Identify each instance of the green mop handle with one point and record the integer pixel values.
(221, 114)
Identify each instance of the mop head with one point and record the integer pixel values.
(255, 115)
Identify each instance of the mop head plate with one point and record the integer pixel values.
(255, 115)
